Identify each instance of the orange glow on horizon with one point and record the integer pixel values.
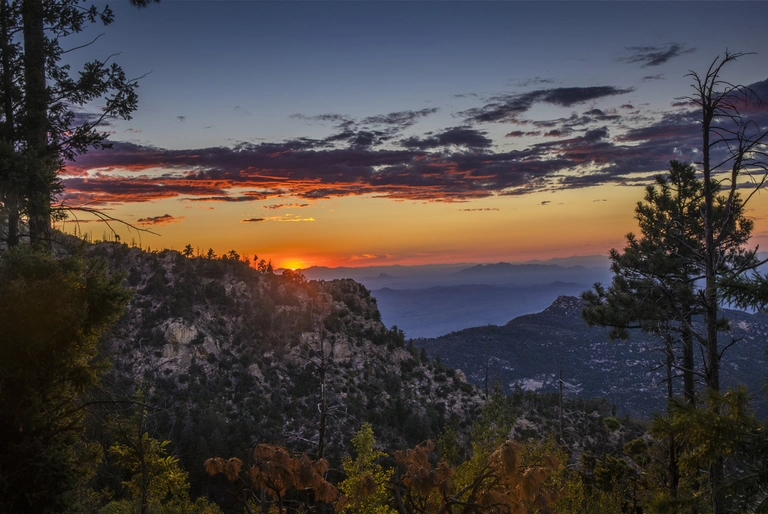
(356, 232)
(292, 264)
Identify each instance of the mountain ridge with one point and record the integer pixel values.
(526, 352)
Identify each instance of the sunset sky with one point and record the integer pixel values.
(360, 133)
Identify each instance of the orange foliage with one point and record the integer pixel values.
(503, 484)
(275, 471)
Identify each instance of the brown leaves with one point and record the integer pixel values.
(419, 474)
(230, 468)
(275, 471)
(503, 484)
(504, 459)
(214, 466)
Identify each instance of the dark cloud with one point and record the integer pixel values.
(480, 210)
(89, 118)
(600, 115)
(456, 136)
(596, 134)
(285, 205)
(558, 133)
(339, 120)
(535, 81)
(651, 78)
(679, 127)
(400, 119)
(253, 220)
(165, 219)
(181, 119)
(455, 164)
(371, 131)
(509, 107)
(520, 133)
(654, 55)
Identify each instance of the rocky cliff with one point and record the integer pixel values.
(229, 357)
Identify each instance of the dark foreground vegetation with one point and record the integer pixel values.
(91, 427)
(136, 382)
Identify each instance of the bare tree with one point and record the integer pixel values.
(733, 154)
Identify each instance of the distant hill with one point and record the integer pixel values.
(439, 310)
(527, 350)
(432, 300)
(578, 269)
(531, 274)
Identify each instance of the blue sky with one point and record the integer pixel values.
(238, 70)
(298, 107)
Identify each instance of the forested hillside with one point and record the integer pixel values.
(230, 357)
(529, 351)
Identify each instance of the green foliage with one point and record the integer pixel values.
(153, 480)
(494, 423)
(52, 313)
(726, 431)
(448, 448)
(612, 423)
(365, 486)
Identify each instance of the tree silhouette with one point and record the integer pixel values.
(733, 143)
(39, 127)
(694, 231)
(52, 313)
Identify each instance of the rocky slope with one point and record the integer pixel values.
(230, 357)
(527, 352)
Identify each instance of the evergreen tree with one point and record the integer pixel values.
(52, 313)
(39, 130)
(706, 242)
(153, 481)
(655, 279)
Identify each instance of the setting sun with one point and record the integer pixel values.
(292, 264)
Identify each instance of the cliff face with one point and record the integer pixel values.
(230, 357)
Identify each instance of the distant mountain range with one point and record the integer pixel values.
(432, 300)
(527, 351)
(578, 269)
(439, 310)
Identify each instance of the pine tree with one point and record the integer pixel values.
(39, 133)
(52, 313)
(706, 242)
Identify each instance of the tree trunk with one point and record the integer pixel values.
(9, 193)
(673, 473)
(716, 472)
(40, 178)
(689, 387)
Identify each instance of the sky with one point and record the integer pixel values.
(369, 133)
